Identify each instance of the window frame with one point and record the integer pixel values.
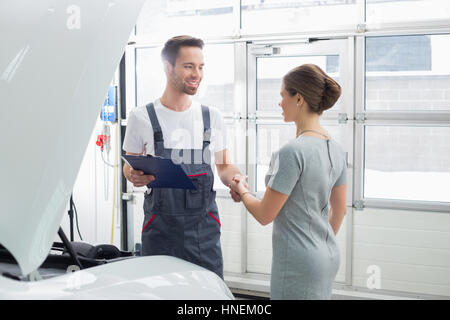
(365, 118)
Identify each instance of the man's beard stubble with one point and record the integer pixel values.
(179, 84)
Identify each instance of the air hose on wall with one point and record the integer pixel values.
(108, 116)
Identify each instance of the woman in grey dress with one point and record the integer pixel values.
(306, 189)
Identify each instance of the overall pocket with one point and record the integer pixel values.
(195, 199)
(168, 200)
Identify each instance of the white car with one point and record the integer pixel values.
(56, 62)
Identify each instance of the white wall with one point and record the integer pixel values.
(93, 201)
(412, 250)
(231, 216)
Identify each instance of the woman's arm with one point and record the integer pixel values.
(284, 171)
(265, 210)
(338, 206)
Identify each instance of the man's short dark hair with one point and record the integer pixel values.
(173, 45)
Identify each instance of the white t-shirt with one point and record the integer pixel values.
(181, 130)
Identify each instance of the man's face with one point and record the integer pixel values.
(187, 73)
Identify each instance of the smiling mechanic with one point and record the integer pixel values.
(178, 222)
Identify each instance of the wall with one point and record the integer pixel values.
(94, 200)
(411, 248)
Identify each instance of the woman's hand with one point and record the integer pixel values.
(239, 185)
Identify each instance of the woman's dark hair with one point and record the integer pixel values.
(173, 45)
(318, 89)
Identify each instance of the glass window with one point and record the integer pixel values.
(270, 71)
(271, 138)
(150, 76)
(407, 163)
(378, 11)
(298, 15)
(235, 138)
(217, 85)
(408, 73)
(162, 19)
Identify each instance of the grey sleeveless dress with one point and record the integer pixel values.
(305, 253)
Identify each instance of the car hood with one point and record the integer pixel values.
(57, 60)
(149, 277)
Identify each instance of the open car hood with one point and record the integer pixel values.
(138, 278)
(57, 59)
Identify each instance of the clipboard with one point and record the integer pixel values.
(167, 174)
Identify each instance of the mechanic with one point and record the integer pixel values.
(178, 222)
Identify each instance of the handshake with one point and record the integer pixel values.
(238, 187)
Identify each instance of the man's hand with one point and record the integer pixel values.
(139, 179)
(237, 186)
(235, 196)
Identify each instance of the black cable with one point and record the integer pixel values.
(71, 218)
(76, 219)
(69, 247)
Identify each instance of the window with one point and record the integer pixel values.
(298, 15)
(378, 11)
(217, 87)
(270, 138)
(150, 77)
(408, 73)
(235, 136)
(162, 19)
(267, 130)
(270, 72)
(407, 163)
(411, 53)
(407, 157)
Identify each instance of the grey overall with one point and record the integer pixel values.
(179, 222)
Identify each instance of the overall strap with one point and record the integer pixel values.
(157, 132)
(206, 125)
(206, 134)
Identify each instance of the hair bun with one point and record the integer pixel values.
(331, 93)
(318, 89)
